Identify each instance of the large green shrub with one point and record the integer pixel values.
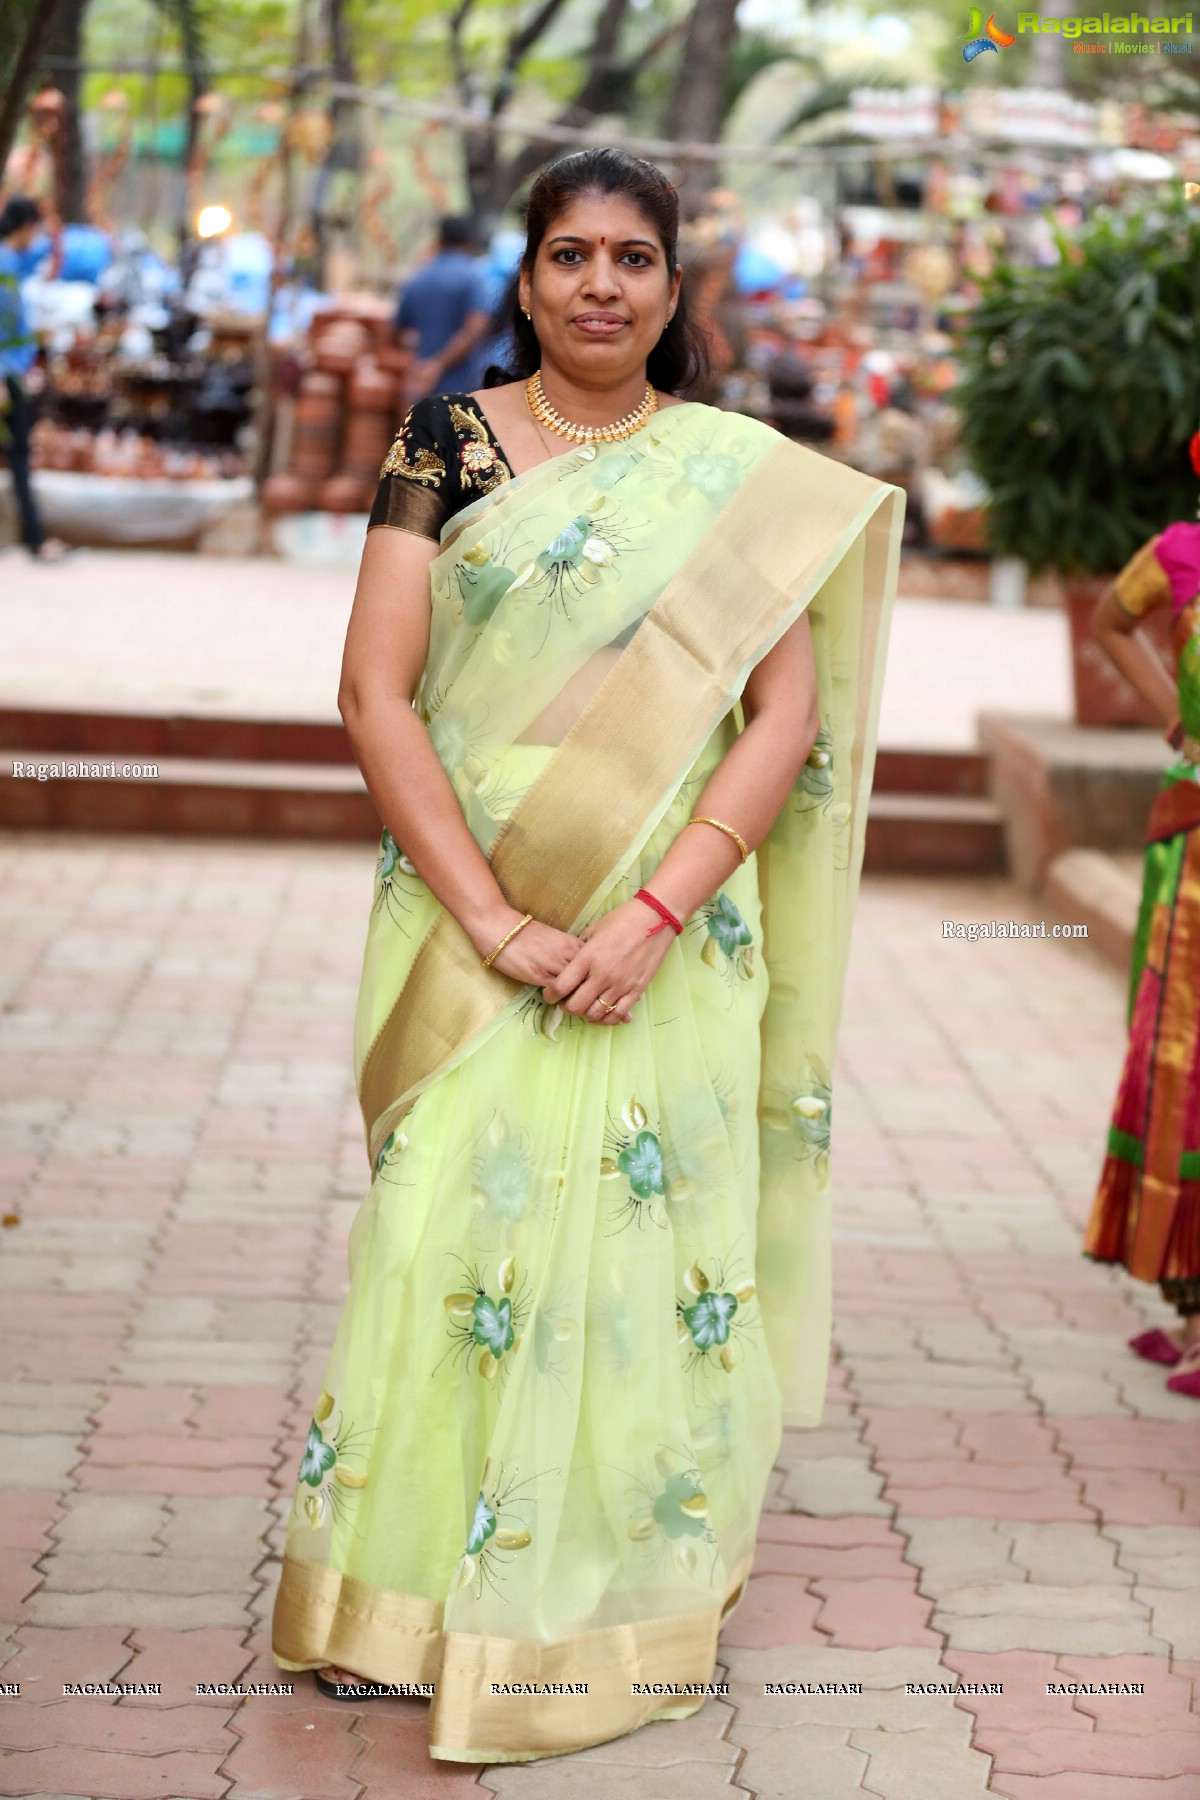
(1081, 389)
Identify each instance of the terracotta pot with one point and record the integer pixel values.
(317, 409)
(1102, 694)
(310, 431)
(365, 473)
(363, 455)
(371, 389)
(315, 450)
(364, 470)
(368, 438)
(340, 348)
(316, 383)
(288, 494)
(345, 494)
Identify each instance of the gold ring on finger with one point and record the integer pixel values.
(607, 1007)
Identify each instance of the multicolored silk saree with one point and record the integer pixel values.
(591, 1278)
(1146, 1209)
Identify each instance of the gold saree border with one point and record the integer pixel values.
(784, 531)
(322, 1616)
(880, 577)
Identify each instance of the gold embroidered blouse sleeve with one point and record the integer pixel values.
(1142, 584)
(415, 485)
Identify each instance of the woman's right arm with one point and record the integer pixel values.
(1140, 588)
(387, 643)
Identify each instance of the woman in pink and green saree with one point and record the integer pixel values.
(613, 680)
(1146, 1209)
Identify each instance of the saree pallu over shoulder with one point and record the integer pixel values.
(629, 591)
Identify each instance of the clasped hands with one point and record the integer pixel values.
(612, 960)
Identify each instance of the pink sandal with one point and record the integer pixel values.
(1156, 1347)
(1188, 1380)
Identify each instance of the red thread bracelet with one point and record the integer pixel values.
(666, 916)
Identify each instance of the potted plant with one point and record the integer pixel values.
(1080, 391)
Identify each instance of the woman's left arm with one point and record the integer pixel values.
(746, 790)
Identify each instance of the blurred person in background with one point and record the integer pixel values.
(1146, 1210)
(20, 224)
(709, 248)
(444, 315)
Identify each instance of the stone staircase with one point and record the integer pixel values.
(931, 814)
(272, 778)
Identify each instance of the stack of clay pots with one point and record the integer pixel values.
(346, 413)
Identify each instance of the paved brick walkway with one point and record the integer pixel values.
(1000, 1492)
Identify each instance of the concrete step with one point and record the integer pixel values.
(147, 733)
(1102, 890)
(188, 796)
(296, 778)
(916, 770)
(214, 797)
(933, 834)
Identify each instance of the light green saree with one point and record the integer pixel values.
(591, 1278)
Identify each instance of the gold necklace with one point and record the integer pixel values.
(633, 421)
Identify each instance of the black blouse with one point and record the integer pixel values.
(443, 458)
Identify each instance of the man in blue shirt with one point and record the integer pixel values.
(443, 316)
(20, 224)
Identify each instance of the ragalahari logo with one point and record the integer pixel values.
(981, 37)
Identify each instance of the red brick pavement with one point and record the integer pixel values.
(998, 1494)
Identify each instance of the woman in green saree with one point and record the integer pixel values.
(612, 676)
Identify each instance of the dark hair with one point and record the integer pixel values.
(18, 212)
(680, 357)
(455, 232)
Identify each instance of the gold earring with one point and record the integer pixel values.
(527, 312)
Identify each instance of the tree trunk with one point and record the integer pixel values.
(25, 27)
(1047, 64)
(478, 147)
(289, 236)
(698, 104)
(345, 147)
(607, 83)
(65, 50)
(344, 137)
(187, 15)
(481, 148)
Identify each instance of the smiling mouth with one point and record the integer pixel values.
(598, 322)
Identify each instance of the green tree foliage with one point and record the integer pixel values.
(1081, 388)
(579, 63)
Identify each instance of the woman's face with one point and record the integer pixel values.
(599, 290)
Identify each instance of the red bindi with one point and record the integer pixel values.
(601, 240)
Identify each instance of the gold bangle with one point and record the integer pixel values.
(701, 819)
(490, 958)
